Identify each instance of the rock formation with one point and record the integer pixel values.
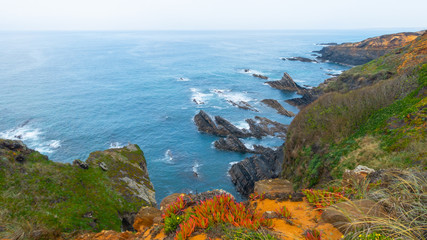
(257, 167)
(221, 127)
(260, 76)
(286, 83)
(300, 59)
(276, 105)
(242, 105)
(366, 50)
(231, 143)
(261, 126)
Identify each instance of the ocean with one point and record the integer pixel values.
(67, 94)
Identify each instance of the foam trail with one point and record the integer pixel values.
(116, 145)
(195, 168)
(199, 97)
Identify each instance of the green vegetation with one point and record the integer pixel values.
(39, 199)
(246, 234)
(373, 115)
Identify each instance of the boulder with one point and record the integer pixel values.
(355, 176)
(279, 108)
(80, 164)
(274, 187)
(146, 217)
(350, 214)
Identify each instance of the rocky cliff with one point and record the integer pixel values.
(40, 199)
(366, 50)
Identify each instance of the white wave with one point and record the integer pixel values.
(299, 81)
(196, 166)
(249, 146)
(55, 144)
(229, 95)
(232, 163)
(242, 125)
(23, 132)
(199, 97)
(250, 71)
(183, 79)
(168, 155)
(116, 145)
(334, 71)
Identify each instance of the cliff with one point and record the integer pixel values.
(373, 114)
(41, 199)
(366, 50)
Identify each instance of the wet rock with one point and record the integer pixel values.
(231, 143)
(205, 124)
(286, 83)
(225, 126)
(261, 126)
(80, 164)
(300, 59)
(307, 98)
(146, 217)
(257, 167)
(260, 76)
(243, 105)
(276, 105)
(274, 187)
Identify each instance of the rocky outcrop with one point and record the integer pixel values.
(286, 84)
(257, 167)
(243, 105)
(300, 59)
(231, 143)
(128, 173)
(276, 105)
(261, 127)
(260, 76)
(230, 129)
(308, 96)
(274, 187)
(366, 50)
(221, 127)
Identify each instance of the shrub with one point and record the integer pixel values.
(284, 212)
(312, 234)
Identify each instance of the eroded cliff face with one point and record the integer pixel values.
(366, 50)
(41, 199)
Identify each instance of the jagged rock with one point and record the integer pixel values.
(15, 149)
(260, 76)
(276, 105)
(274, 187)
(231, 143)
(128, 173)
(262, 126)
(205, 124)
(146, 217)
(286, 83)
(301, 59)
(257, 167)
(228, 128)
(351, 214)
(307, 98)
(243, 105)
(366, 50)
(80, 164)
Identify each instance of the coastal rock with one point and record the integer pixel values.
(16, 150)
(127, 172)
(260, 76)
(231, 143)
(327, 44)
(261, 126)
(307, 98)
(300, 59)
(366, 50)
(276, 105)
(205, 124)
(274, 187)
(228, 128)
(286, 83)
(257, 167)
(242, 105)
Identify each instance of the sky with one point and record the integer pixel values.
(18, 15)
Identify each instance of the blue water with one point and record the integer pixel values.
(67, 94)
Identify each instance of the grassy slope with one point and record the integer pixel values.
(42, 197)
(380, 123)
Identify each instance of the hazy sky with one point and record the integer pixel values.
(210, 14)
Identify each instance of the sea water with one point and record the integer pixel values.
(67, 94)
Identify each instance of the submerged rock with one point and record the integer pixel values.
(257, 167)
(276, 105)
(260, 76)
(300, 59)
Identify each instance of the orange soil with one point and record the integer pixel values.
(303, 217)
